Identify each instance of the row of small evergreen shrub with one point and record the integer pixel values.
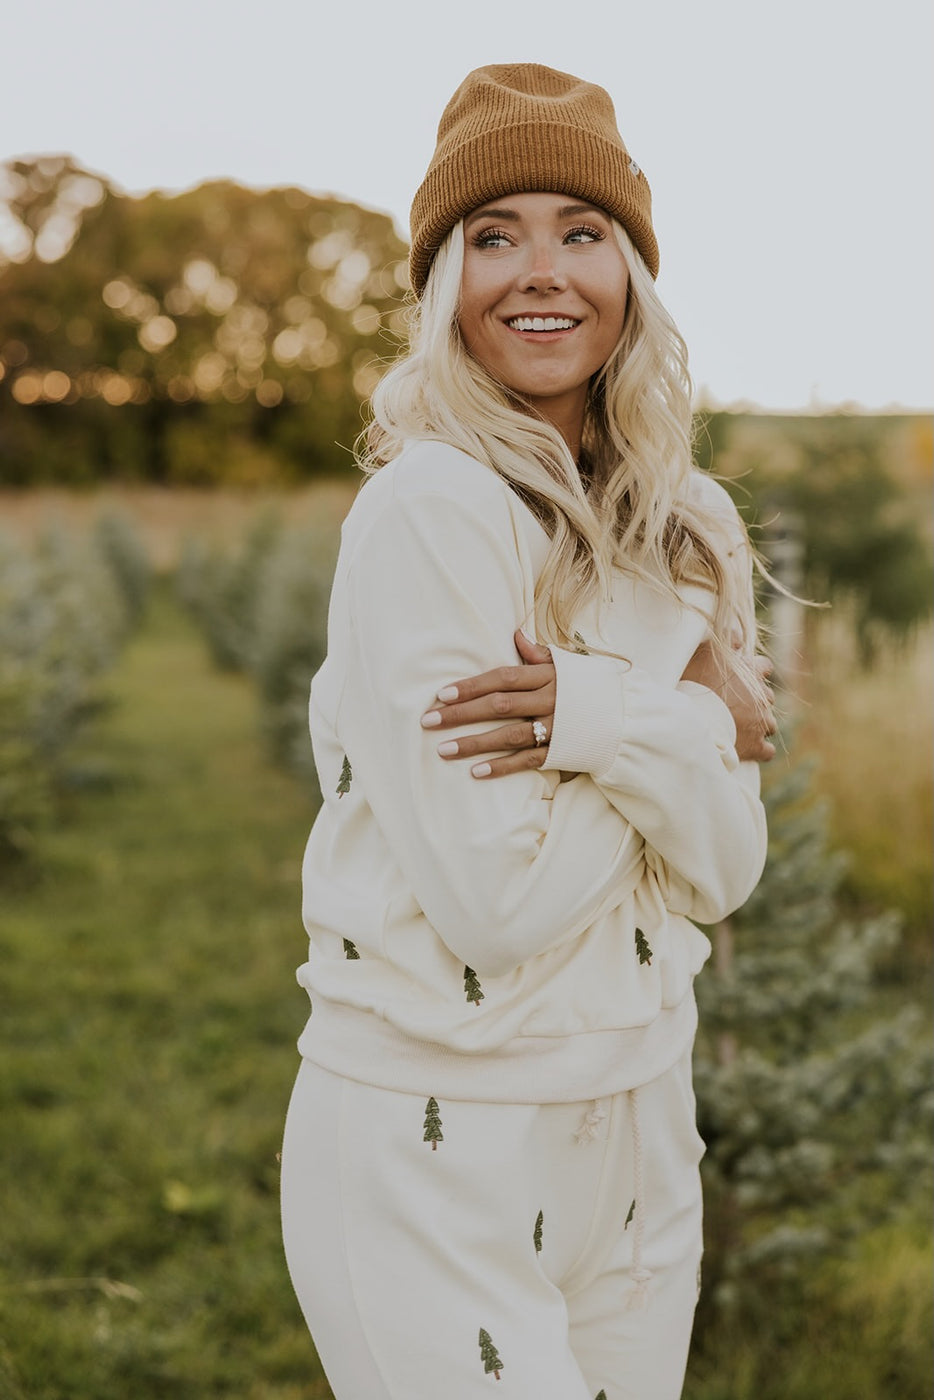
(66, 606)
(262, 606)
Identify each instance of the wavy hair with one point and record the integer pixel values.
(630, 504)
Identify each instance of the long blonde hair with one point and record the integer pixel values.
(628, 506)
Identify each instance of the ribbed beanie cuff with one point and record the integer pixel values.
(516, 128)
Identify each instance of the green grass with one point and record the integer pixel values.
(148, 1033)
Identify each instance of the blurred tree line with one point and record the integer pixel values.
(850, 494)
(232, 336)
(218, 335)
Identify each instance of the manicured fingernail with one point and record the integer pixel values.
(447, 694)
(481, 770)
(448, 748)
(431, 720)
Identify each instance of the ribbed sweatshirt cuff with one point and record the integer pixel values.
(589, 718)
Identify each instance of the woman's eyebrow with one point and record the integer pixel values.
(567, 211)
(490, 213)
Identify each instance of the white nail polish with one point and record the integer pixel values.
(431, 720)
(481, 770)
(448, 748)
(447, 694)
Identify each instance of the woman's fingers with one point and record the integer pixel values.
(535, 671)
(511, 736)
(524, 695)
(527, 691)
(505, 679)
(532, 654)
(525, 704)
(519, 762)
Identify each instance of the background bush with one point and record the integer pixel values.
(262, 606)
(66, 606)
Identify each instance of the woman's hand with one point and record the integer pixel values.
(753, 726)
(524, 695)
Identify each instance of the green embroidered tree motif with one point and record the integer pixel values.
(537, 1233)
(581, 647)
(489, 1354)
(350, 951)
(346, 777)
(629, 1217)
(642, 947)
(472, 986)
(601, 1395)
(432, 1125)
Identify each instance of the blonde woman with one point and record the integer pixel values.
(537, 731)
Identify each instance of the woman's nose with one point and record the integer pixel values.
(542, 272)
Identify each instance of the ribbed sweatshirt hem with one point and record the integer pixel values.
(528, 1069)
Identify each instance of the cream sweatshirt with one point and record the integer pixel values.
(526, 938)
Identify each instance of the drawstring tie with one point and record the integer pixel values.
(639, 1275)
(589, 1129)
(590, 1125)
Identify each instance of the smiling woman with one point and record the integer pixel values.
(494, 1106)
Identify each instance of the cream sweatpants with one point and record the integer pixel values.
(443, 1249)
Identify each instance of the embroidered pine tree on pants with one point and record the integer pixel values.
(489, 1355)
(642, 947)
(628, 1221)
(601, 1395)
(537, 1233)
(472, 986)
(346, 777)
(350, 951)
(432, 1125)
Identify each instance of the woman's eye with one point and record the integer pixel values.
(491, 238)
(583, 234)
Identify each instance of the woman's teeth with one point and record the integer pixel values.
(541, 323)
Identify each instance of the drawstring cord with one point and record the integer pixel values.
(590, 1126)
(639, 1275)
(589, 1129)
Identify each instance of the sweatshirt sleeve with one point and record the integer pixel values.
(505, 869)
(665, 758)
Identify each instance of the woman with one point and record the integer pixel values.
(490, 1167)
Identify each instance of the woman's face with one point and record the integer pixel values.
(543, 298)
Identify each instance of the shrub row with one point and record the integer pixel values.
(66, 606)
(263, 609)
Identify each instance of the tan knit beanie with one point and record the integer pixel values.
(517, 127)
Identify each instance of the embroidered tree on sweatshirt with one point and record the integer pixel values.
(489, 1355)
(472, 986)
(810, 1100)
(345, 779)
(432, 1124)
(643, 951)
(537, 1232)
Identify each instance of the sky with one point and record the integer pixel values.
(790, 148)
